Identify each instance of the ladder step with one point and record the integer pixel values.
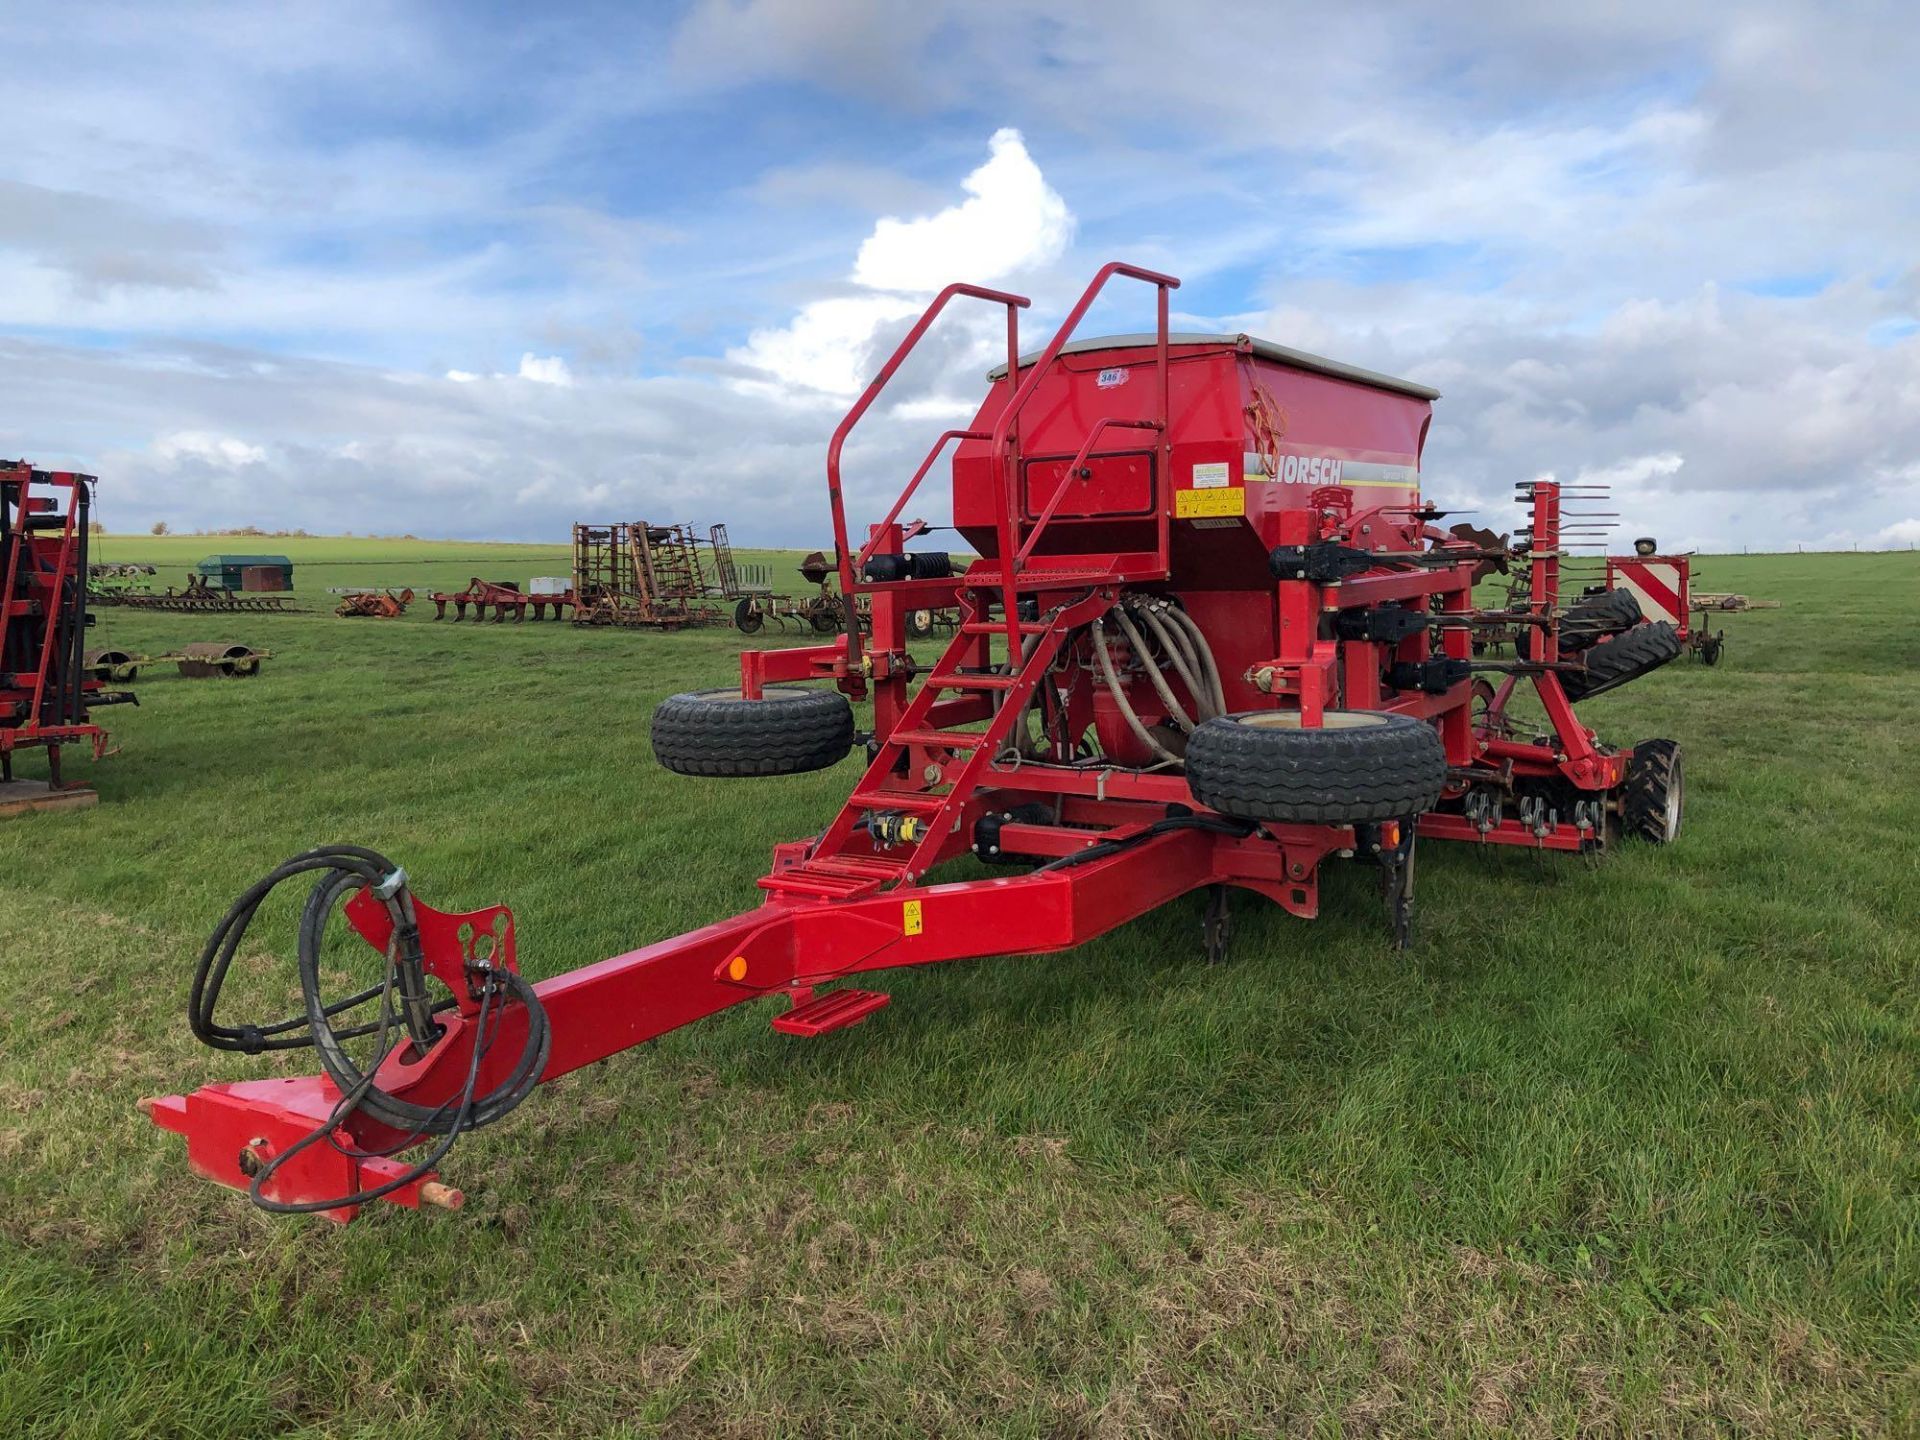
(841, 877)
(952, 681)
(939, 739)
(834, 1010)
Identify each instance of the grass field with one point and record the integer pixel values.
(1620, 1149)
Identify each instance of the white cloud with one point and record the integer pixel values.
(541, 370)
(223, 450)
(1901, 532)
(545, 370)
(1011, 221)
(1630, 474)
(1610, 234)
(824, 348)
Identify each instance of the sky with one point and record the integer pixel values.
(480, 271)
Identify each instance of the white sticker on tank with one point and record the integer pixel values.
(1107, 379)
(1215, 475)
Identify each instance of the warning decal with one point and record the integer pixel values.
(910, 921)
(1216, 475)
(1190, 504)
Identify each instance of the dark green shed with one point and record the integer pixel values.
(247, 572)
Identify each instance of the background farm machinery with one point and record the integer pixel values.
(201, 661)
(373, 604)
(825, 610)
(1214, 640)
(650, 576)
(1645, 585)
(108, 584)
(198, 596)
(47, 693)
(504, 597)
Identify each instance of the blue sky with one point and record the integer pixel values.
(476, 271)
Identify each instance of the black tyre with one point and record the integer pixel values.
(920, 623)
(747, 618)
(1653, 801)
(1595, 617)
(1626, 656)
(1359, 765)
(789, 731)
(825, 622)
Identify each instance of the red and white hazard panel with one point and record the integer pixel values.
(1658, 582)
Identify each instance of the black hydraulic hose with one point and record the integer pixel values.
(1239, 829)
(342, 869)
(216, 957)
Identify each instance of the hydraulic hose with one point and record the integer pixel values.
(1178, 647)
(1159, 682)
(1112, 680)
(1218, 825)
(404, 1017)
(1208, 663)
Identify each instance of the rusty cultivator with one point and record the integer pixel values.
(1214, 644)
(373, 604)
(504, 597)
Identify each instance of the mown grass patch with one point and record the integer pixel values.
(1627, 1148)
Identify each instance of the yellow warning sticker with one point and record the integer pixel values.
(910, 923)
(1188, 504)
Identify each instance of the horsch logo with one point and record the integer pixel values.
(1309, 470)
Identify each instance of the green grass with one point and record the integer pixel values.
(1619, 1149)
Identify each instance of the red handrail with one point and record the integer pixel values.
(1014, 304)
(912, 485)
(1011, 552)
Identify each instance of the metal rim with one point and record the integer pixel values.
(1329, 720)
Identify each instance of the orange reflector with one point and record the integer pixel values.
(1389, 837)
(737, 968)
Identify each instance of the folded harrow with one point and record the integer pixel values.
(197, 597)
(1214, 641)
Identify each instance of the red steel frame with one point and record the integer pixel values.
(862, 896)
(43, 564)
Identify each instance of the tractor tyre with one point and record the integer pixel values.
(789, 731)
(1595, 617)
(1653, 800)
(1359, 765)
(1626, 656)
